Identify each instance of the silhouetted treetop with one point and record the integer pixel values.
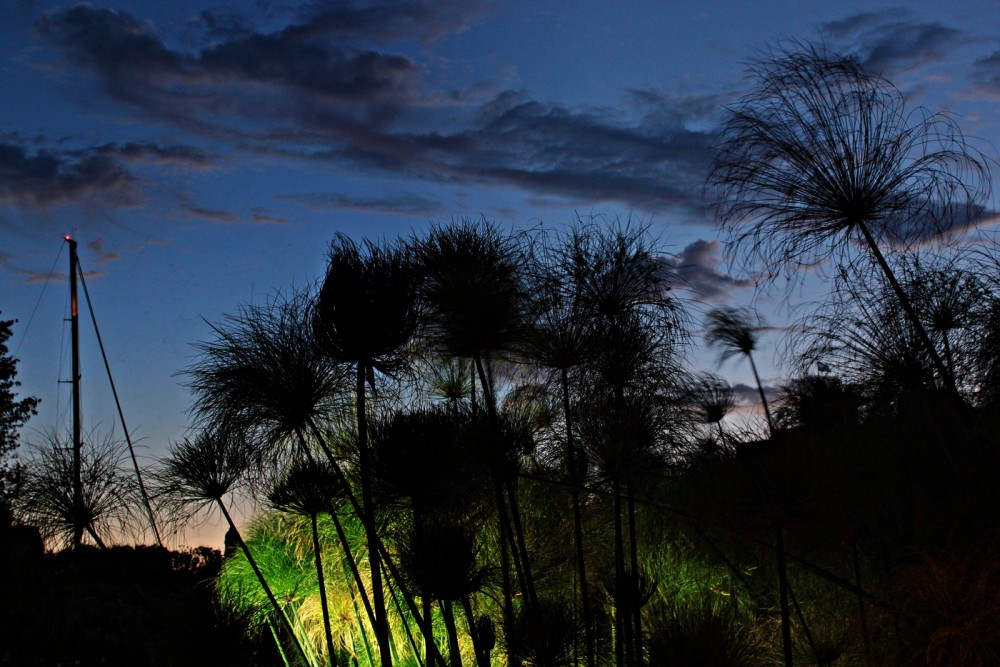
(14, 412)
(821, 152)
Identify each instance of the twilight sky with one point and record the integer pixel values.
(204, 154)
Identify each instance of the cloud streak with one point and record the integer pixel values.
(47, 177)
(695, 269)
(411, 204)
(328, 88)
(889, 42)
(33, 177)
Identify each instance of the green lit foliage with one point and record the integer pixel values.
(282, 546)
(706, 635)
(561, 490)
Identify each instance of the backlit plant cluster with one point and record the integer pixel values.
(481, 446)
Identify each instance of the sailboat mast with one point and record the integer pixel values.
(77, 442)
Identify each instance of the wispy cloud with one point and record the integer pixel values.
(331, 87)
(212, 215)
(695, 268)
(103, 256)
(987, 74)
(149, 152)
(260, 216)
(410, 204)
(891, 41)
(46, 177)
(39, 172)
(33, 277)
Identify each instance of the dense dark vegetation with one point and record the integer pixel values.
(487, 447)
(122, 605)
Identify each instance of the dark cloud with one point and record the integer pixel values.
(219, 25)
(321, 89)
(48, 177)
(313, 67)
(123, 48)
(31, 276)
(696, 269)
(102, 256)
(212, 215)
(933, 223)
(388, 21)
(596, 155)
(747, 395)
(411, 204)
(154, 153)
(653, 163)
(136, 66)
(261, 217)
(45, 175)
(987, 73)
(891, 41)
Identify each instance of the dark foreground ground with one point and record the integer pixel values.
(119, 606)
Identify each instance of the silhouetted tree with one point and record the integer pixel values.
(713, 400)
(822, 154)
(108, 501)
(733, 332)
(473, 289)
(862, 334)
(557, 341)
(14, 412)
(264, 374)
(307, 489)
(365, 315)
(821, 403)
(634, 334)
(200, 473)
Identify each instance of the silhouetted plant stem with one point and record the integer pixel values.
(473, 401)
(353, 567)
(904, 301)
(515, 512)
(508, 587)
(805, 626)
(263, 582)
(93, 534)
(428, 620)
(357, 616)
(488, 398)
(368, 509)
(482, 654)
(341, 534)
(760, 390)
(786, 624)
(507, 537)
(385, 557)
(623, 637)
(454, 652)
(512, 519)
(395, 575)
(634, 565)
(589, 634)
(862, 615)
(406, 627)
(322, 591)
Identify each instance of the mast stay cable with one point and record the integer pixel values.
(121, 415)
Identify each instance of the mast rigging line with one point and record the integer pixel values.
(118, 405)
(38, 301)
